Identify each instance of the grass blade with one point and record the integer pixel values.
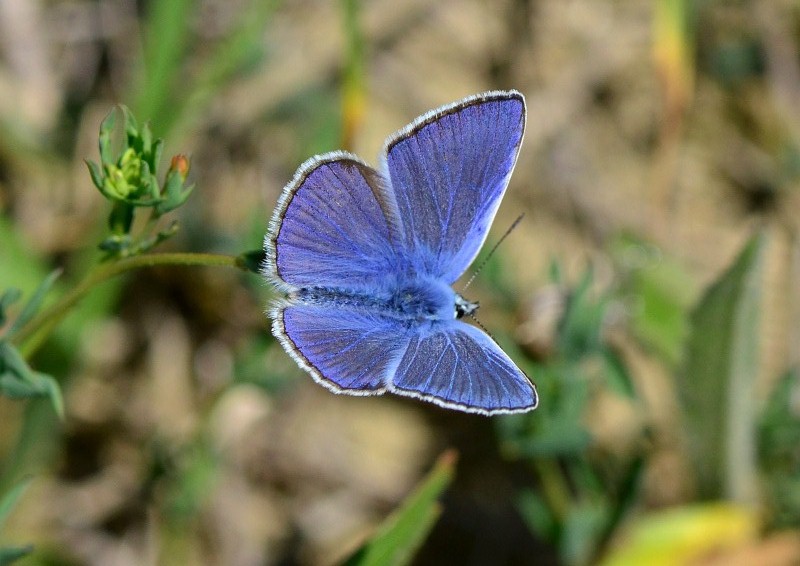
(35, 302)
(717, 386)
(404, 531)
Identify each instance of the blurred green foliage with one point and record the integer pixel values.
(585, 493)
(717, 384)
(17, 379)
(779, 452)
(582, 494)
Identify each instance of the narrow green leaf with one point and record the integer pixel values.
(581, 326)
(12, 554)
(95, 173)
(403, 532)
(132, 138)
(582, 528)
(717, 384)
(11, 361)
(8, 298)
(18, 381)
(106, 128)
(9, 500)
(14, 387)
(664, 294)
(778, 439)
(35, 302)
(53, 392)
(157, 150)
(537, 514)
(146, 136)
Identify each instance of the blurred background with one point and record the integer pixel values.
(651, 290)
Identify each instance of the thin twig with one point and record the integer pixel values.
(48, 319)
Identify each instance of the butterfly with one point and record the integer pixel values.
(366, 258)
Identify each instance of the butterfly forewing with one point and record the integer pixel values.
(329, 229)
(347, 350)
(448, 172)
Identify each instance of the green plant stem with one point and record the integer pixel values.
(39, 328)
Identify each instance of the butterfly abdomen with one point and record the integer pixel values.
(424, 299)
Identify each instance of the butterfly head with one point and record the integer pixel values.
(465, 307)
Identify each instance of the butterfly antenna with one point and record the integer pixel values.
(482, 327)
(491, 253)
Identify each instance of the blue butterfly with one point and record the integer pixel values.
(366, 259)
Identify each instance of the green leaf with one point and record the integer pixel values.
(8, 298)
(661, 322)
(580, 331)
(717, 384)
(146, 137)
(132, 137)
(157, 150)
(663, 293)
(617, 375)
(11, 361)
(174, 194)
(779, 458)
(95, 173)
(403, 532)
(555, 272)
(13, 387)
(106, 129)
(582, 528)
(35, 302)
(537, 514)
(53, 392)
(12, 554)
(18, 381)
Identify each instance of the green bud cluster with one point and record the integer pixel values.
(127, 177)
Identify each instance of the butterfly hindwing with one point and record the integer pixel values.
(346, 350)
(458, 366)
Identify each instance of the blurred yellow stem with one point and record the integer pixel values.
(554, 488)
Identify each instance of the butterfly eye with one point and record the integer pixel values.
(464, 307)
